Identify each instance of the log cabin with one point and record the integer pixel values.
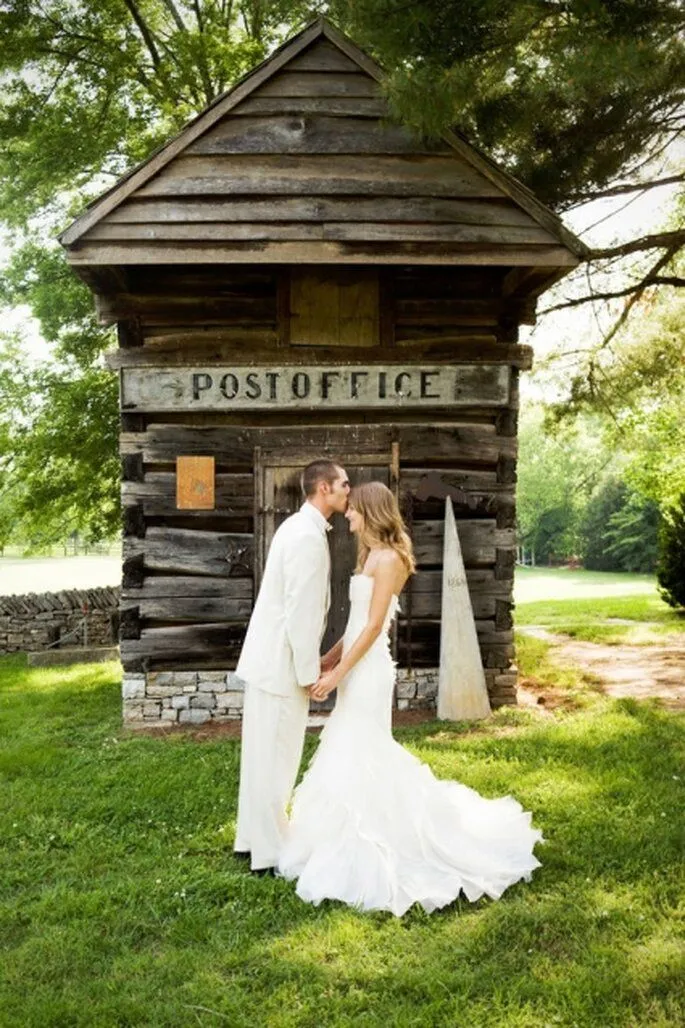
(296, 275)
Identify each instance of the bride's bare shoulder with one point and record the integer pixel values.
(389, 566)
(388, 558)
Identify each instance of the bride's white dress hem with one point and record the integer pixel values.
(371, 825)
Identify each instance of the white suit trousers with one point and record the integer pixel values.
(271, 750)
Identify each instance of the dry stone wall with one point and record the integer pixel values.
(35, 620)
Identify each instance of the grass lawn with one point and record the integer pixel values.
(122, 905)
(587, 604)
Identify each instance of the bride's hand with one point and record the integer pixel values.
(325, 685)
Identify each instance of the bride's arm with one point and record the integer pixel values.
(331, 658)
(384, 578)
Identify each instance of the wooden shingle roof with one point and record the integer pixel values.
(299, 162)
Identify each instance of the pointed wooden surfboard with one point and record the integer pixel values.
(462, 690)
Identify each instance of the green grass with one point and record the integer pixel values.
(565, 584)
(583, 609)
(121, 903)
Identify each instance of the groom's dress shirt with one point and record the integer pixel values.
(281, 648)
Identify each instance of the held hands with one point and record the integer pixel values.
(326, 684)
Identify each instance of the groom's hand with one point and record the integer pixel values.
(325, 685)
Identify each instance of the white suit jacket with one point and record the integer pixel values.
(281, 648)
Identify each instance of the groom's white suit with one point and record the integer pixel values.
(279, 658)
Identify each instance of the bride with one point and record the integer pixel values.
(370, 824)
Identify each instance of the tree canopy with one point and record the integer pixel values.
(576, 98)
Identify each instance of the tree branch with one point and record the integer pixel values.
(619, 190)
(653, 242)
(171, 8)
(145, 32)
(649, 280)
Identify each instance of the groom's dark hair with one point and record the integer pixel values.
(319, 471)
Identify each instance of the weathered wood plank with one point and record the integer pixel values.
(316, 252)
(189, 586)
(314, 83)
(235, 337)
(342, 106)
(430, 232)
(434, 444)
(345, 231)
(429, 310)
(310, 134)
(323, 56)
(215, 642)
(197, 345)
(200, 281)
(341, 387)
(423, 484)
(320, 208)
(177, 307)
(133, 520)
(196, 608)
(479, 540)
(423, 651)
(207, 231)
(417, 282)
(473, 493)
(234, 445)
(157, 495)
(416, 336)
(313, 174)
(218, 554)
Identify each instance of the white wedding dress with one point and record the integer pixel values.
(372, 826)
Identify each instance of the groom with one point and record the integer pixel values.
(280, 662)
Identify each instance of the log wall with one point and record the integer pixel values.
(188, 574)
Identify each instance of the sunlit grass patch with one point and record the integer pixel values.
(551, 612)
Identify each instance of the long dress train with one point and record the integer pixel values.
(373, 827)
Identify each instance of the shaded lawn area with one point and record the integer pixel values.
(121, 903)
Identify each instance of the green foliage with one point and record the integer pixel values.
(89, 90)
(569, 95)
(635, 384)
(557, 471)
(671, 567)
(59, 429)
(619, 530)
(122, 903)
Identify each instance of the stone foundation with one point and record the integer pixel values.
(418, 689)
(161, 698)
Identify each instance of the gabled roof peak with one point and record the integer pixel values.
(138, 180)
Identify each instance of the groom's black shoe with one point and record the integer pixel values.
(242, 854)
(264, 872)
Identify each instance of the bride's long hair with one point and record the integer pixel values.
(383, 524)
